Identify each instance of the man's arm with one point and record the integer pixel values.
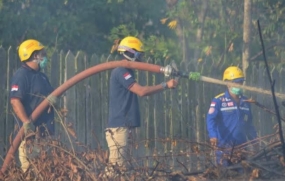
(211, 122)
(19, 109)
(149, 90)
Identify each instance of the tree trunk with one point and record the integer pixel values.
(179, 31)
(246, 35)
(199, 33)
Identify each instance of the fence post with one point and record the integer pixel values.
(80, 103)
(70, 95)
(4, 82)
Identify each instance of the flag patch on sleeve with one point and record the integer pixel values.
(127, 75)
(213, 104)
(14, 88)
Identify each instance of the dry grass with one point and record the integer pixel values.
(54, 160)
(51, 160)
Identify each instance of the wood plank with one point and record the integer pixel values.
(3, 99)
(150, 107)
(55, 69)
(13, 65)
(54, 78)
(70, 95)
(81, 88)
(167, 120)
(282, 90)
(104, 92)
(158, 116)
(141, 77)
(253, 70)
(96, 135)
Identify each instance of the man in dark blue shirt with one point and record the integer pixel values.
(124, 114)
(29, 87)
(229, 119)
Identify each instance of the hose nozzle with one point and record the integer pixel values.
(167, 70)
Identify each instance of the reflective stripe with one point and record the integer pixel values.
(244, 108)
(228, 108)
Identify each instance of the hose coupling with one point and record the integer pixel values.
(167, 70)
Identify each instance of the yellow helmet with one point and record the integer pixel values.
(232, 73)
(130, 43)
(27, 48)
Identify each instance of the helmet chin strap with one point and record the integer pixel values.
(127, 57)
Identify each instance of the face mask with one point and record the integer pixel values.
(236, 91)
(43, 63)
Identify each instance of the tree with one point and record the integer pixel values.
(246, 35)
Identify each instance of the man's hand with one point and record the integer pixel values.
(53, 100)
(214, 141)
(29, 128)
(172, 83)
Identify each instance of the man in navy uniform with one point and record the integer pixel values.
(124, 114)
(29, 87)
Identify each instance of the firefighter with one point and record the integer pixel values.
(29, 87)
(124, 113)
(229, 119)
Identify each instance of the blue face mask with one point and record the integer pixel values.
(236, 91)
(43, 63)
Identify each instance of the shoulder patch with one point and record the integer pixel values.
(127, 75)
(220, 95)
(14, 88)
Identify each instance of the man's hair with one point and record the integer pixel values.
(36, 52)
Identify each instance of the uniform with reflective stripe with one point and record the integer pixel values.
(229, 122)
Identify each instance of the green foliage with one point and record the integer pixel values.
(123, 30)
(271, 17)
(161, 47)
(169, 31)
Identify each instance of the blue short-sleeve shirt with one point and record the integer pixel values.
(123, 104)
(32, 87)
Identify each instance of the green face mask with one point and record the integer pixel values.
(236, 91)
(43, 63)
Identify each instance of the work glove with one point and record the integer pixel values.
(194, 76)
(53, 100)
(29, 129)
(213, 141)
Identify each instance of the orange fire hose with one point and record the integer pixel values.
(68, 84)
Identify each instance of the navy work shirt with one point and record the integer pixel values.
(229, 122)
(31, 87)
(123, 104)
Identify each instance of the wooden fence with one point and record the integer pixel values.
(173, 114)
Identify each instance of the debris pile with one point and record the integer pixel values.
(52, 160)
